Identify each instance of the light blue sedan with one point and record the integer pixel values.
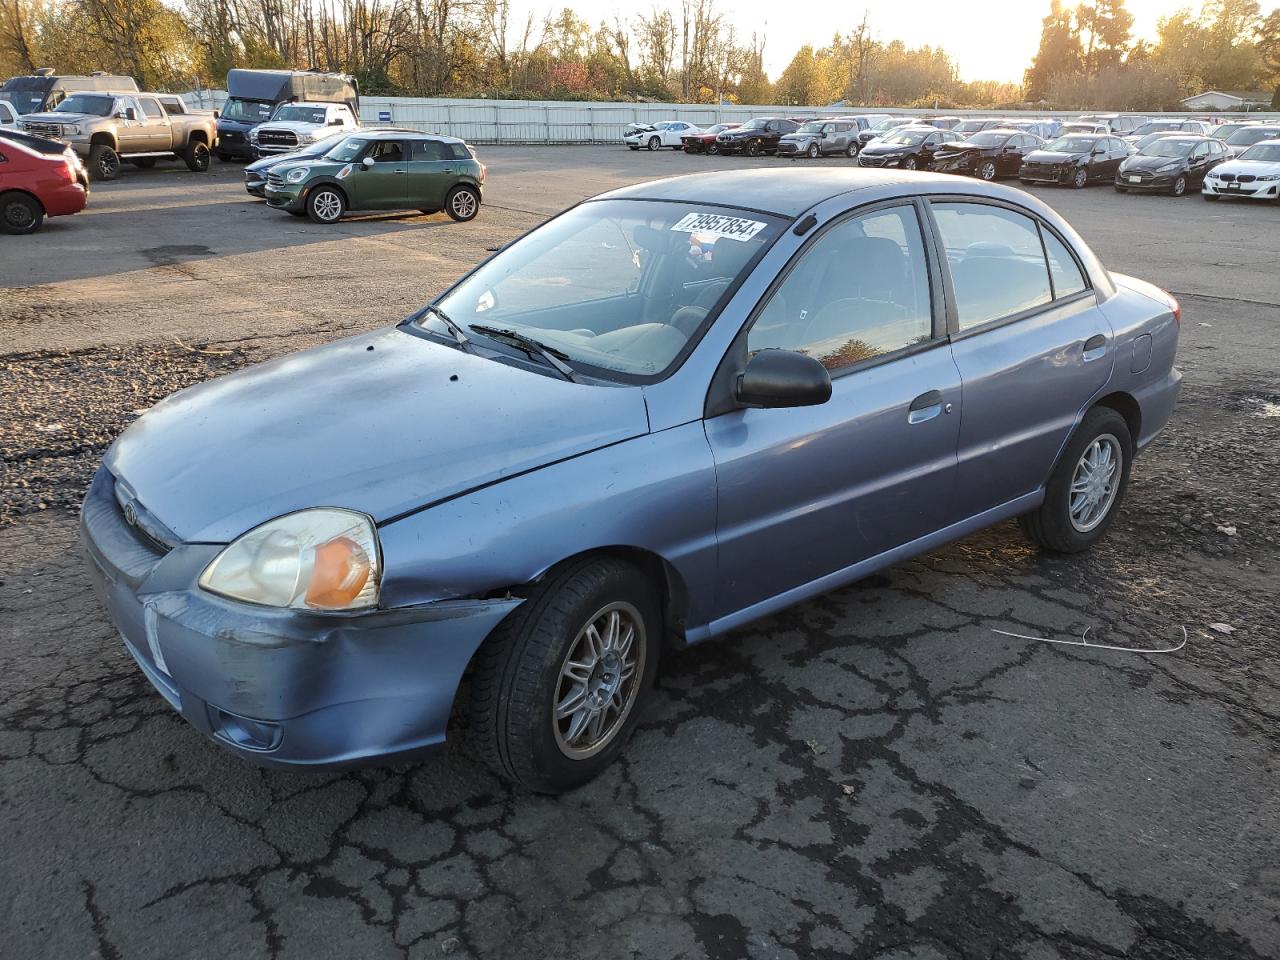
(667, 412)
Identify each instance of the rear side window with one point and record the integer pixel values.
(429, 150)
(997, 264)
(1063, 269)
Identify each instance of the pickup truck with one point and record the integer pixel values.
(141, 128)
(295, 125)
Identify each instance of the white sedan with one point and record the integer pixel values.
(664, 133)
(1255, 173)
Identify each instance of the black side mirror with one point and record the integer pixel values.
(782, 378)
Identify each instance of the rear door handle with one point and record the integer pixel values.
(1095, 347)
(926, 407)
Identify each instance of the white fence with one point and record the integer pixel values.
(557, 121)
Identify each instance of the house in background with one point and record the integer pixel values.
(1229, 100)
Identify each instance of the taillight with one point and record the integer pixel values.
(483, 170)
(1177, 311)
(69, 169)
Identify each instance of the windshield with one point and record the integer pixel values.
(249, 111)
(718, 128)
(1168, 147)
(1155, 126)
(95, 105)
(1072, 145)
(1249, 136)
(756, 124)
(24, 101)
(969, 126)
(347, 150)
(906, 137)
(1224, 130)
(1079, 128)
(986, 140)
(810, 128)
(619, 287)
(1266, 152)
(1149, 139)
(292, 113)
(887, 124)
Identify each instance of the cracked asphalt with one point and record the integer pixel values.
(874, 774)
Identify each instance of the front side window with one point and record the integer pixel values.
(151, 109)
(387, 151)
(619, 287)
(859, 290)
(997, 264)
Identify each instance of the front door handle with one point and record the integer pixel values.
(1095, 347)
(926, 407)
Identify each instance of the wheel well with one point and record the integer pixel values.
(23, 193)
(346, 200)
(1127, 407)
(197, 136)
(103, 139)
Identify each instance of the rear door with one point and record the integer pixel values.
(430, 172)
(1032, 346)
(806, 492)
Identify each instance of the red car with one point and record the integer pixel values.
(704, 141)
(34, 186)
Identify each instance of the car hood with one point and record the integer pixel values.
(54, 117)
(384, 423)
(1141, 162)
(638, 128)
(740, 132)
(1052, 156)
(294, 126)
(1259, 168)
(800, 136)
(875, 148)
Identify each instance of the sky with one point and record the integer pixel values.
(991, 40)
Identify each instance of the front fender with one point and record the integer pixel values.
(655, 493)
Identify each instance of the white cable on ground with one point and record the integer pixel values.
(1084, 642)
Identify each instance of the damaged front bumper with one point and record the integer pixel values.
(281, 687)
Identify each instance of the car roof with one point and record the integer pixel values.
(401, 132)
(786, 193)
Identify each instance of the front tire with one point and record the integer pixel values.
(909, 163)
(812, 152)
(987, 171)
(325, 205)
(1086, 487)
(654, 143)
(462, 204)
(559, 686)
(851, 150)
(753, 148)
(1081, 178)
(20, 214)
(104, 162)
(197, 158)
(713, 149)
(1179, 187)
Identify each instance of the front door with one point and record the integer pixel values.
(806, 492)
(1032, 346)
(430, 173)
(155, 133)
(380, 185)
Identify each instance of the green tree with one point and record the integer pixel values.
(1059, 51)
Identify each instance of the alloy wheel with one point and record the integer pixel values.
(813, 150)
(987, 171)
(108, 164)
(1081, 178)
(599, 680)
(463, 204)
(654, 143)
(909, 163)
(327, 205)
(1095, 482)
(1180, 186)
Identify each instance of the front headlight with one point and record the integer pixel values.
(297, 175)
(324, 558)
(1168, 168)
(1268, 176)
(72, 130)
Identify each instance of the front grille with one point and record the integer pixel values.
(275, 180)
(231, 136)
(51, 130)
(1245, 178)
(277, 138)
(865, 161)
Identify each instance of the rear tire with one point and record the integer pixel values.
(104, 162)
(20, 214)
(1055, 525)
(197, 158)
(532, 663)
(462, 204)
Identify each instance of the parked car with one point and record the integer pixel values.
(883, 127)
(942, 123)
(35, 185)
(1171, 165)
(1121, 124)
(820, 138)
(1044, 129)
(1197, 127)
(1225, 129)
(1097, 129)
(255, 174)
(1141, 144)
(1254, 173)
(50, 148)
(107, 127)
(393, 170)
(704, 141)
(911, 148)
(987, 155)
(977, 125)
(615, 456)
(664, 133)
(1246, 137)
(254, 95)
(8, 116)
(1075, 159)
(44, 90)
(296, 125)
(756, 136)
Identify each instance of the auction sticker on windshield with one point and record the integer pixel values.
(717, 225)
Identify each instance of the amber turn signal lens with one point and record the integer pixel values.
(340, 572)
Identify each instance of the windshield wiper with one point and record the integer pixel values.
(454, 329)
(549, 355)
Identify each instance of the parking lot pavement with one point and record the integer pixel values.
(877, 773)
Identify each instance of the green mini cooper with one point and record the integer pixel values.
(381, 170)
